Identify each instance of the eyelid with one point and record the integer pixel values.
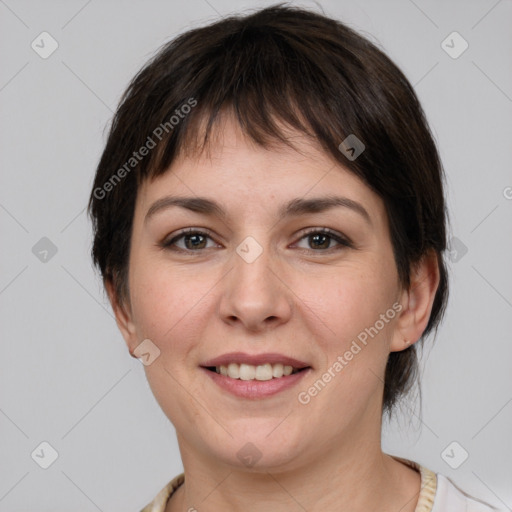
(341, 239)
(327, 231)
(168, 240)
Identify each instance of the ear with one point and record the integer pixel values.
(417, 302)
(123, 316)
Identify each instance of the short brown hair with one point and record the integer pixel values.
(312, 73)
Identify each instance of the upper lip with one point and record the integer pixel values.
(255, 360)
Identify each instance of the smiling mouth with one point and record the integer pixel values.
(252, 372)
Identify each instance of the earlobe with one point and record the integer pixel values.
(123, 317)
(417, 303)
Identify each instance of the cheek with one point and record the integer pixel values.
(350, 300)
(170, 309)
(168, 305)
(351, 335)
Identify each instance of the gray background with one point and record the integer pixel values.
(66, 376)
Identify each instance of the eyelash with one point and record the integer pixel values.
(342, 241)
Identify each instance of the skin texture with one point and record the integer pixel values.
(296, 299)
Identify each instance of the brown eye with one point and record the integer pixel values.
(320, 240)
(193, 240)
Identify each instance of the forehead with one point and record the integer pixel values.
(233, 169)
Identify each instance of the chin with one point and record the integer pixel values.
(258, 449)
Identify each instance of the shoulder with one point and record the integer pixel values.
(439, 494)
(450, 498)
(159, 502)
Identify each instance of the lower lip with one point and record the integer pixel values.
(256, 388)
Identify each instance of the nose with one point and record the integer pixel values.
(255, 293)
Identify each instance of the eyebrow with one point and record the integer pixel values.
(293, 208)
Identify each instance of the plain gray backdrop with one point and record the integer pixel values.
(67, 378)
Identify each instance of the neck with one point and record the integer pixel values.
(352, 479)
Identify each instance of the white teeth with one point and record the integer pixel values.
(247, 372)
(277, 370)
(265, 371)
(234, 371)
(287, 370)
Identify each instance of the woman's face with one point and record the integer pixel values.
(264, 281)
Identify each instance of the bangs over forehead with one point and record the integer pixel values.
(206, 132)
(267, 76)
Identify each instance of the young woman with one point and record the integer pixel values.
(270, 224)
